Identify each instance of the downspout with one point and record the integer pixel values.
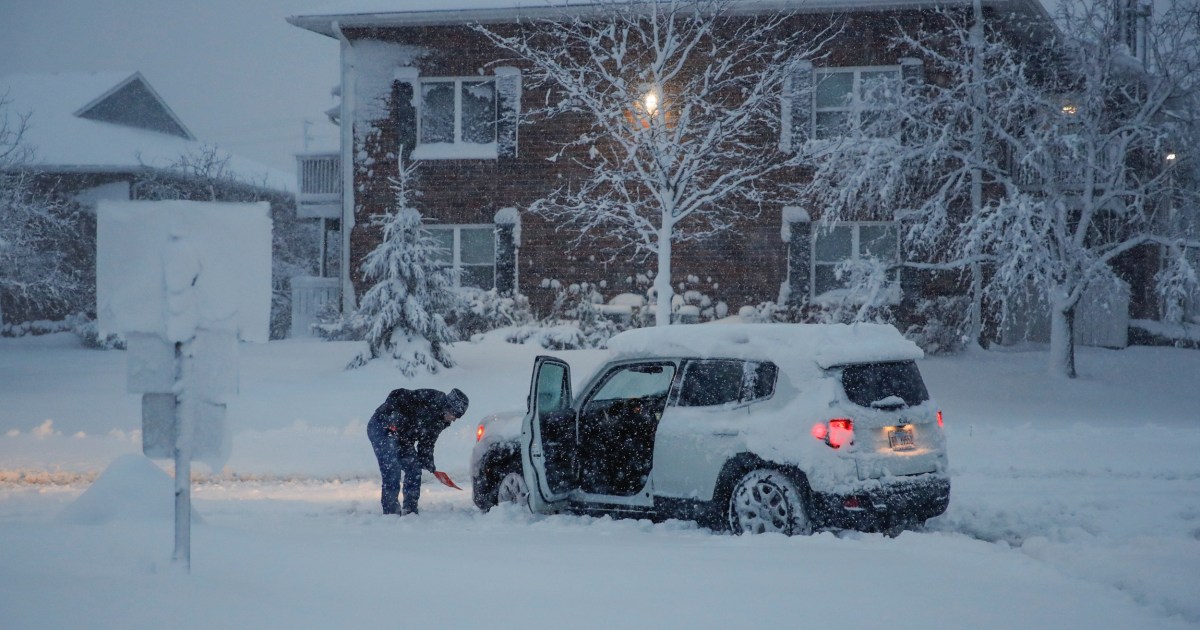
(979, 101)
(347, 129)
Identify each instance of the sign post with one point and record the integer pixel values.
(184, 281)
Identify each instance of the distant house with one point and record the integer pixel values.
(111, 136)
(403, 66)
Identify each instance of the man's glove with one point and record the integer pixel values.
(445, 479)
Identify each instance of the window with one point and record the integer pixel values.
(724, 381)
(643, 380)
(457, 116)
(849, 241)
(853, 98)
(884, 385)
(470, 252)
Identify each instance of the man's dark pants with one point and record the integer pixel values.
(395, 464)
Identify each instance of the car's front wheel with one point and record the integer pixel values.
(512, 490)
(766, 500)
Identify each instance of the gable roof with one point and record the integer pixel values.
(111, 122)
(384, 13)
(134, 103)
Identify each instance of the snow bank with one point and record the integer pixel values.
(131, 488)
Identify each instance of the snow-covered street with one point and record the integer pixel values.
(1075, 505)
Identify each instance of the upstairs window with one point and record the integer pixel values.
(850, 99)
(469, 251)
(457, 118)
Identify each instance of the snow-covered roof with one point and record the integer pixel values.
(826, 345)
(361, 13)
(110, 122)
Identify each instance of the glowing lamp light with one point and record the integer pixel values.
(1070, 109)
(479, 433)
(1170, 157)
(650, 102)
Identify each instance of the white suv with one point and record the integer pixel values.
(753, 428)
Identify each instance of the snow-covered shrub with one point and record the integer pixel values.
(332, 325)
(480, 311)
(554, 337)
(691, 304)
(89, 337)
(576, 305)
(403, 308)
(939, 325)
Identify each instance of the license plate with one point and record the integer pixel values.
(901, 439)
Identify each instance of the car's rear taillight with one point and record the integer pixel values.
(940, 419)
(836, 433)
(479, 433)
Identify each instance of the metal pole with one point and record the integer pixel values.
(185, 419)
(979, 101)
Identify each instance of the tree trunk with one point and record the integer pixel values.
(662, 281)
(1062, 333)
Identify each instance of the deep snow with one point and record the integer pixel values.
(1075, 504)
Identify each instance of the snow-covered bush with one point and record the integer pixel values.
(403, 308)
(480, 311)
(576, 305)
(332, 325)
(940, 325)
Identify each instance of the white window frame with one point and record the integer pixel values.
(856, 106)
(855, 249)
(456, 264)
(456, 149)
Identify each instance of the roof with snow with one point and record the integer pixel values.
(110, 122)
(376, 13)
(826, 345)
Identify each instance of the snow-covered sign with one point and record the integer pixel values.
(231, 243)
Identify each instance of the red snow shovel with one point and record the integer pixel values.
(445, 479)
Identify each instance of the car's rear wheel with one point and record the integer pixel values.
(766, 500)
(512, 490)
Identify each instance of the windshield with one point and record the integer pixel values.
(884, 385)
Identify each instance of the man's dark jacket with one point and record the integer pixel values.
(415, 417)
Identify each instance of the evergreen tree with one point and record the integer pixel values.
(402, 309)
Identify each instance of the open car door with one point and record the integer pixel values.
(549, 435)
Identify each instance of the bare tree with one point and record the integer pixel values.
(680, 100)
(1046, 167)
(37, 229)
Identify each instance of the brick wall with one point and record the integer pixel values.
(745, 265)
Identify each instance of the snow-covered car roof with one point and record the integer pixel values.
(826, 345)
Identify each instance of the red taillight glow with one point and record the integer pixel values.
(479, 433)
(841, 432)
(940, 418)
(835, 433)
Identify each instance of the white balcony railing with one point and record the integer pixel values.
(320, 185)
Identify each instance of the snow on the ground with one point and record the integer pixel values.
(1075, 504)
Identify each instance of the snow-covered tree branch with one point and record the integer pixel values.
(37, 229)
(679, 100)
(1048, 168)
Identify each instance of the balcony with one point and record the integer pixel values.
(320, 185)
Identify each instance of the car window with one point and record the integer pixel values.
(884, 385)
(722, 381)
(636, 381)
(759, 380)
(708, 383)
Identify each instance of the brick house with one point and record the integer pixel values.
(414, 81)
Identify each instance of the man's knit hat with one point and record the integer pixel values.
(456, 403)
